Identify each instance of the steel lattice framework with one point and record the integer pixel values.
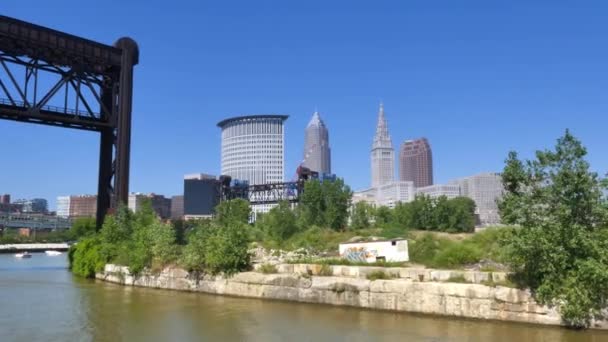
(91, 89)
(265, 193)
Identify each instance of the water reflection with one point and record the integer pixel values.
(43, 301)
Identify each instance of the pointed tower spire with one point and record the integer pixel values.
(382, 138)
(382, 154)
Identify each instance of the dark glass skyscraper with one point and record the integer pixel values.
(416, 162)
(317, 154)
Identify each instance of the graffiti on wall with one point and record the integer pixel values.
(359, 254)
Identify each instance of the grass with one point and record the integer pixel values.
(268, 269)
(379, 275)
(326, 271)
(457, 279)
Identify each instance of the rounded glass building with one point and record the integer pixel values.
(253, 148)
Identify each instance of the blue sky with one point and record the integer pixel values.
(477, 78)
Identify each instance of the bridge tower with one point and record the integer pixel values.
(89, 86)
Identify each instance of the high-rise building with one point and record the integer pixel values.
(416, 162)
(317, 154)
(83, 206)
(78, 205)
(5, 199)
(437, 190)
(382, 154)
(201, 195)
(485, 189)
(36, 205)
(177, 207)
(253, 151)
(63, 206)
(160, 204)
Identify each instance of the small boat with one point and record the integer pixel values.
(24, 255)
(52, 253)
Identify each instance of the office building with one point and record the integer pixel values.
(317, 154)
(253, 151)
(201, 196)
(416, 162)
(177, 207)
(382, 153)
(485, 189)
(75, 206)
(435, 191)
(387, 195)
(63, 206)
(160, 204)
(5, 199)
(36, 205)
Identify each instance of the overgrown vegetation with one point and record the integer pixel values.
(268, 269)
(375, 275)
(561, 249)
(140, 240)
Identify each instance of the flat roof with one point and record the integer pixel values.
(259, 116)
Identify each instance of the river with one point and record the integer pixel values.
(40, 300)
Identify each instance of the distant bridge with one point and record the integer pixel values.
(34, 221)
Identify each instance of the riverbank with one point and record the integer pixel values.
(465, 300)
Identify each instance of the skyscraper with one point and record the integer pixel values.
(252, 150)
(382, 154)
(317, 154)
(416, 162)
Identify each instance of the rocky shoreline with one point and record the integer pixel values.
(468, 300)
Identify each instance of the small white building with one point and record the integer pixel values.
(387, 250)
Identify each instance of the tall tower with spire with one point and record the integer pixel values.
(382, 154)
(317, 154)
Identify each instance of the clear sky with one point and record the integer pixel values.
(477, 78)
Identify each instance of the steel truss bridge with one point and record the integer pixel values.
(53, 78)
(265, 193)
(33, 221)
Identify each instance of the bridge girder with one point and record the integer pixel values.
(93, 83)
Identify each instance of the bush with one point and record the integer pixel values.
(85, 257)
(268, 269)
(456, 255)
(326, 271)
(375, 275)
(226, 249)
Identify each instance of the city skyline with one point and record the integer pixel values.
(490, 93)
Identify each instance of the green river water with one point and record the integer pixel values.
(40, 300)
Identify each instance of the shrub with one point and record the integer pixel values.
(457, 279)
(268, 269)
(226, 249)
(85, 257)
(326, 271)
(375, 275)
(457, 254)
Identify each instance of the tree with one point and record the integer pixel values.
(383, 215)
(325, 204)
(402, 216)
(279, 223)
(226, 249)
(461, 217)
(360, 215)
(561, 249)
(422, 209)
(81, 227)
(233, 211)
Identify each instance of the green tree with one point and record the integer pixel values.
(325, 204)
(279, 223)
(403, 216)
(561, 249)
(233, 211)
(81, 227)
(361, 215)
(423, 216)
(226, 249)
(383, 215)
(193, 256)
(461, 217)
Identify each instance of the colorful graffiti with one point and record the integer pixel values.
(359, 254)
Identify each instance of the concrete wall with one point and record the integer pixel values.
(448, 299)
